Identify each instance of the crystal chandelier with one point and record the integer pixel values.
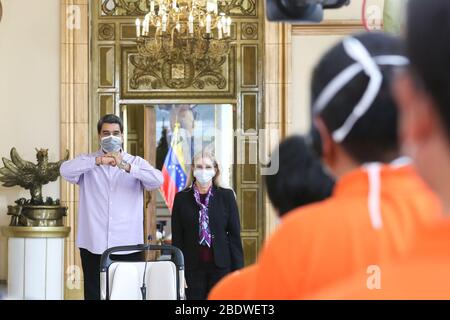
(189, 31)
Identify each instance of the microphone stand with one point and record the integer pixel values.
(144, 287)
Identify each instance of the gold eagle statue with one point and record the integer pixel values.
(30, 176)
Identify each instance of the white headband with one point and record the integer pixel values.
(364, 62)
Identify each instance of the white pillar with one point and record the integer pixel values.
(225, 142)
(36, 262)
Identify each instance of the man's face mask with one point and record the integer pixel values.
(111, 143)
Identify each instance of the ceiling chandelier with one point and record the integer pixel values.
(188, 31)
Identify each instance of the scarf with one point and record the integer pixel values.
(204, 232)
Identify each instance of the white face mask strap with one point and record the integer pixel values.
(401, 162)
(336, 85)
(356, 50)
(343, 78)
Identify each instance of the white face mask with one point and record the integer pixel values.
(111, 143)
(204, 176)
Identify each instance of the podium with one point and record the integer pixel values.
(35, 262)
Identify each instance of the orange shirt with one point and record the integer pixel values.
(422, 275)
(235, 286)
(319, 245)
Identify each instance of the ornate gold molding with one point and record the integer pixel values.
(36, 232)
(284, 51)
(177, 75)
(148, 78)
(240, 8)
(141, 7)
(111, 90)
(74, 113)
(124, 7)
(107, 31)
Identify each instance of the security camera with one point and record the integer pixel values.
(300, 10)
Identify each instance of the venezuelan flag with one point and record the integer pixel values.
(174, 170)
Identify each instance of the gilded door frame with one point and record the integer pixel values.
(76, 114)
(247, 101)
(74, 128)
(78, 120)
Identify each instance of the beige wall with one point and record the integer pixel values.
(29, 91)
(306, 53)
(307, 49)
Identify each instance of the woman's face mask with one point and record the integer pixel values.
(111, 143)
(204, 176)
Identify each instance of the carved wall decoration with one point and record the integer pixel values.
(239, 7)
(121, 77)
(106, 31)
(153, 78)
(124, 7)
(141, 7)
(249, 31)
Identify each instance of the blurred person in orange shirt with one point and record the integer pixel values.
(423, 95)
(300, 180)
(379, 203)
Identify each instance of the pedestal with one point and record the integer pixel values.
(36, 262)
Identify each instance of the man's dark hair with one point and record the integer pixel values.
(301, 178)
(109, 118)
(374, 136)
(428, 46)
